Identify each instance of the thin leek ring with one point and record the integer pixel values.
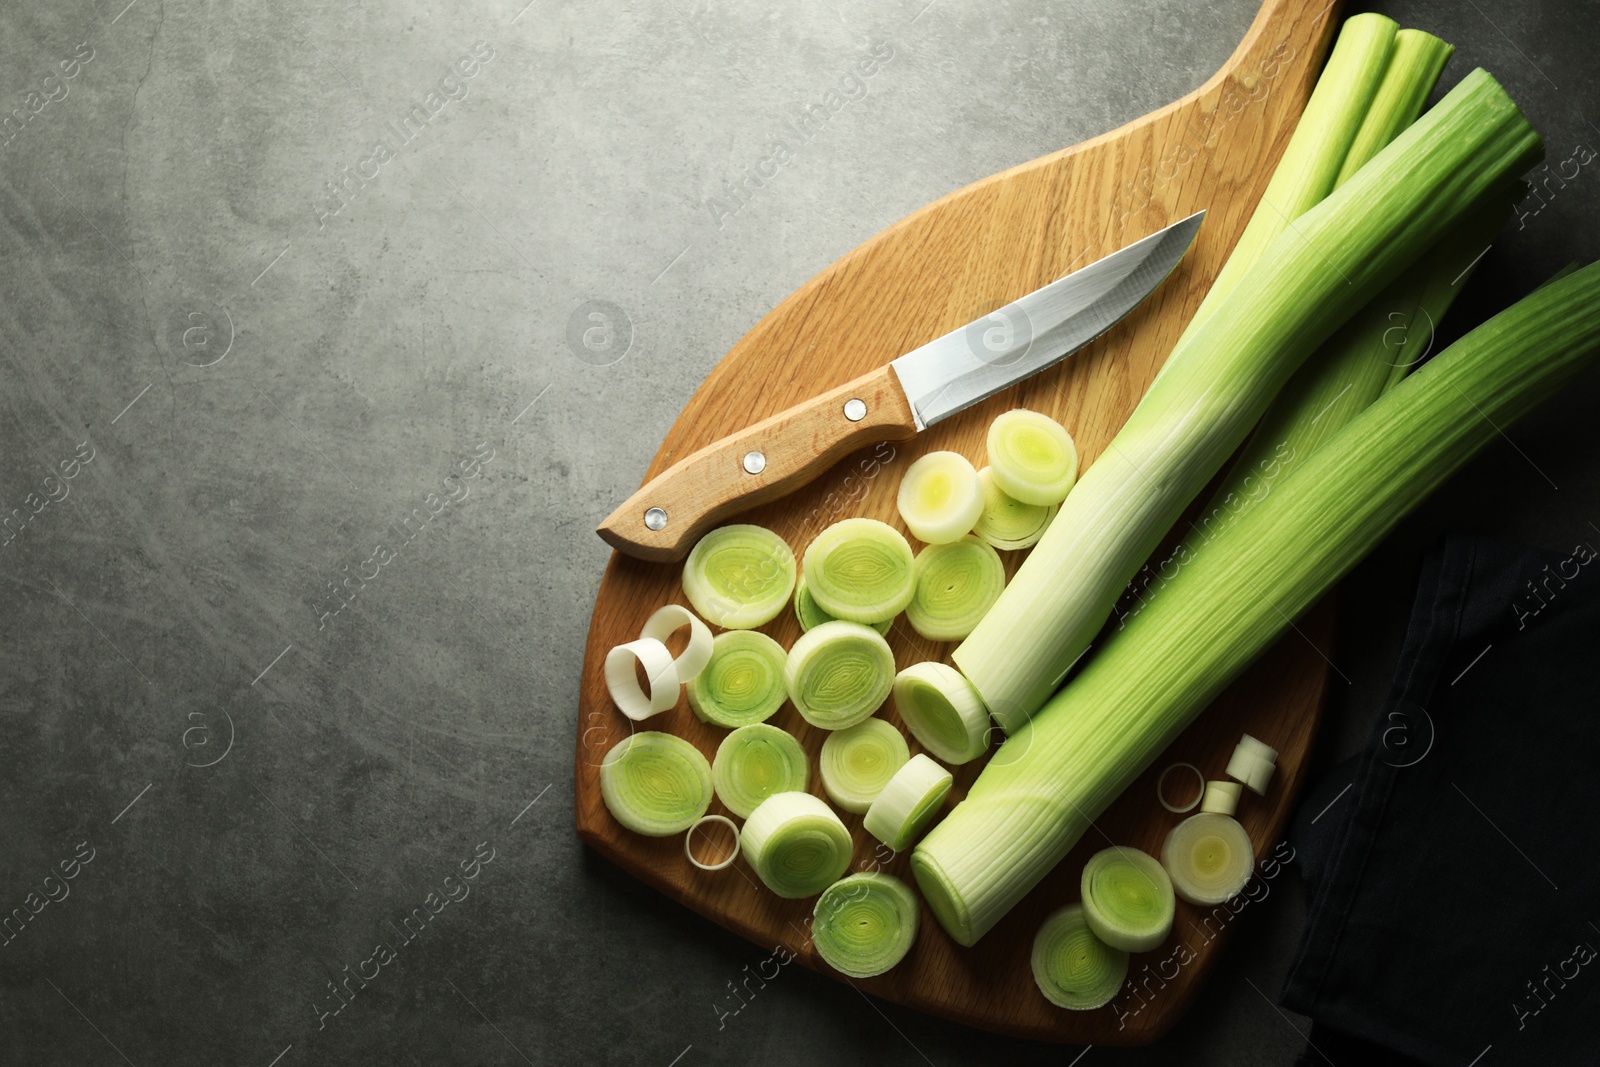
(726, 861)
(1161, 788)
(667, 620)
(623, 682)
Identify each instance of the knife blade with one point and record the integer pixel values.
(947, 375)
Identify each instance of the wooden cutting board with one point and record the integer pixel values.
(959, 258)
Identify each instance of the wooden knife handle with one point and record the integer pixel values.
(664, 519)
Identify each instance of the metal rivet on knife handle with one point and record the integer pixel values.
(754, 462)
(855, 409)
(655, 519)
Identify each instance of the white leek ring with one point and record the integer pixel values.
(838, 674)
(1209, 858)
(669, 619)
(943, 711)
(1247, 767)
(858, 761)
(622, 680)
(1007, 523)
(957, 584)
(726, 861)
(1073, 968)
(1222, 798)
(655, 784)
(796, 844)
(1032, 457)
(864, 924)
(940, 498)
(740, 576)
(1161, 788)
(753, 763)
(860, 570)
(909, 804)
(743, 681)
(1127, 899)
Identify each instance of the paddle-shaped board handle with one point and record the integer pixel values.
(776, 456)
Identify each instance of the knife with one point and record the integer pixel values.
(778, 455)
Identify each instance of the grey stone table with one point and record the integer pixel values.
(300, 412)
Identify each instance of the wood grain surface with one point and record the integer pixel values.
(961, 257)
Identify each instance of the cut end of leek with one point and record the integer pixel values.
(753, 763)
(655, 784)
(1073, 968)
(1007, 523)
(796, 844)
(1209, 858)
(810, 615)
(956, 586)
(857, 762)
(943, 712)
(860, 570)
(940, 498)
(739, 576)
(742, 682)
(1127, 899)
(1032, 457)
(909, 803)
(838, 674)
(865, 924)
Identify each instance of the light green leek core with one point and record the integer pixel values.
(795, 844)
(957, 584)
(1209, 858)
(860, 570)
(940, 498)
(838, 674)
(865, 924)
(1127, 899)
(754, 762)
(1036, 796)
(1218, 382)
(810, 616)
(1032, 457)
(1007, 523)
(942, 711)
(655, 784)
(858, 761)
(1072, 967)
(742, 683)
(909, 803)
(740, 576)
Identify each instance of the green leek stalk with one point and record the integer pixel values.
(1040, 791)
(1414, 68)
(1216, 385)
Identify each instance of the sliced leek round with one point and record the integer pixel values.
(864, 924)
(796, 844)
(753, 763)
(943, 711)
(858, 761)
(1074, 968)
(739, 576)
(1032, 457)
(838, 674)
(1252, 763)
(957, 584)
(728, 857)
(1222, 798)
(668, 620)
(1007, 523)
(1161, 788)
(909, 804)
(743, 681)
(860, 570)
(622, 680)
(810, 616)
(1208, 857)
(940, 498)
(1127, 899)
(655, 784)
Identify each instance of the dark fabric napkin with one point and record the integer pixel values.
(1453, 867)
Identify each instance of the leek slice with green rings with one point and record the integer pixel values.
(864, 924)
(796, 844)
(857, 762)
(655, 784)
(1032, 457)
(909, 803)
(1006, 522)
(1074, 968)
(860, 570)
(753, 763)
(838, 674)
(743, 681)
(810, 616)
(739, 576)
(940, 498)
(1209, 858)
(957, 584)
(1127, 899)
(943, 711)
